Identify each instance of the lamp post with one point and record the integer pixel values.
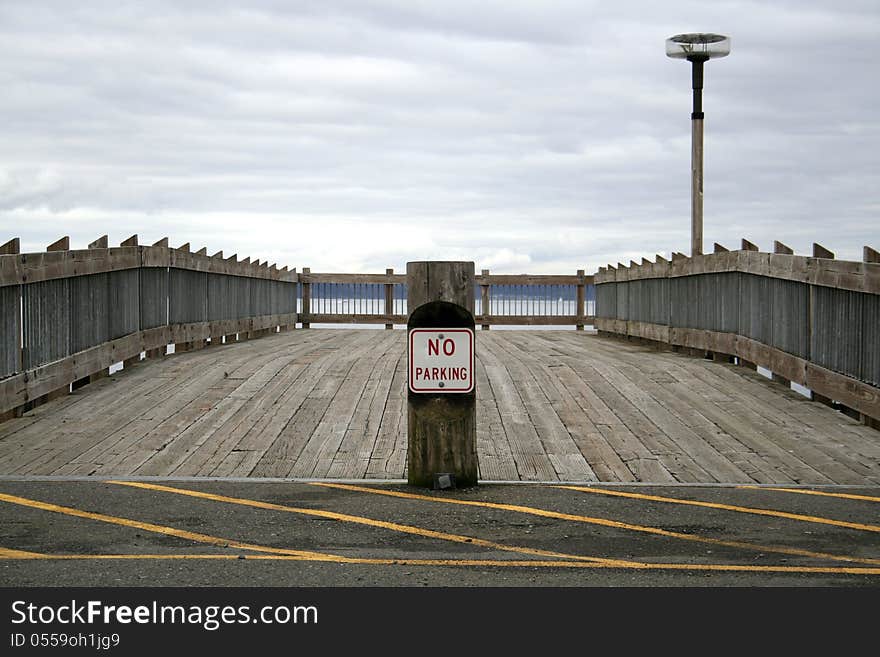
(697, 49)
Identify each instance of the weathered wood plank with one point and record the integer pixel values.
(526, 447)
(388, 458)
(262, 410)
(526, 368)
(337, 395)
(779, 416)
(630, 413)
(601, 458)
(352, 458)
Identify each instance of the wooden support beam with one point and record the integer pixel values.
(131, 241)
(162, 242)
(748, 246)
(100, 243)
(13, 247)
(581, 297)
(62, 244)
(389, 297)
(870, 255)
(306, 298)
(717, 248)
(779, 247)
(441, 428)
(820, 251)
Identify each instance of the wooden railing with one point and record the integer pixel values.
(67, 316)
(811, 320)
(500, 299)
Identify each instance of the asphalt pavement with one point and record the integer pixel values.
(153, 532)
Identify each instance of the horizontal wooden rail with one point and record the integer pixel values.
(512, 294)
(848, 391)
(532, 279)
(25, 268)
(24, 387)
(841, 274)
(534, 320)
(492, 279)
(352, 318)
(351, 279)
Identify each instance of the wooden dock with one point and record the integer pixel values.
(551, 406)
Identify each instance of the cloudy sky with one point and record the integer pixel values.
(354, 135)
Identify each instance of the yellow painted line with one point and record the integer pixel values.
(8, 553)
(159, 529)
(805, 491)
(484, 563)
(604, 522)
(361, 520)
(728, 507)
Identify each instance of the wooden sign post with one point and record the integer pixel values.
(441, 417)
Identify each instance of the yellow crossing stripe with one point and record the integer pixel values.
(343, 517)
(269, 553)
(159, 529)
(604, 522)
(484, 563)
(8, 553)
(728, 507)
(806, 491)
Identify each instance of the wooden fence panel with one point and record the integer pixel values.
(89, 311)
(153, 297)
(10, 330)
(46, 314)
(187, 296)
(789, 316)
(124, 299)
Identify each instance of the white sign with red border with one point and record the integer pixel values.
(441, 360)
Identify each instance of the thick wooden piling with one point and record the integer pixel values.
(441, 427)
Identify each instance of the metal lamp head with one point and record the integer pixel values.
(697, 46)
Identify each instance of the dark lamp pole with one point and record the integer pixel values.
(697, 49)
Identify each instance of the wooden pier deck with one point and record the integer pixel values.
(551, 405)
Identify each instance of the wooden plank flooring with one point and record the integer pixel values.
(551, 406)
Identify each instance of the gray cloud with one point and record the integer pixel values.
(358, 135)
